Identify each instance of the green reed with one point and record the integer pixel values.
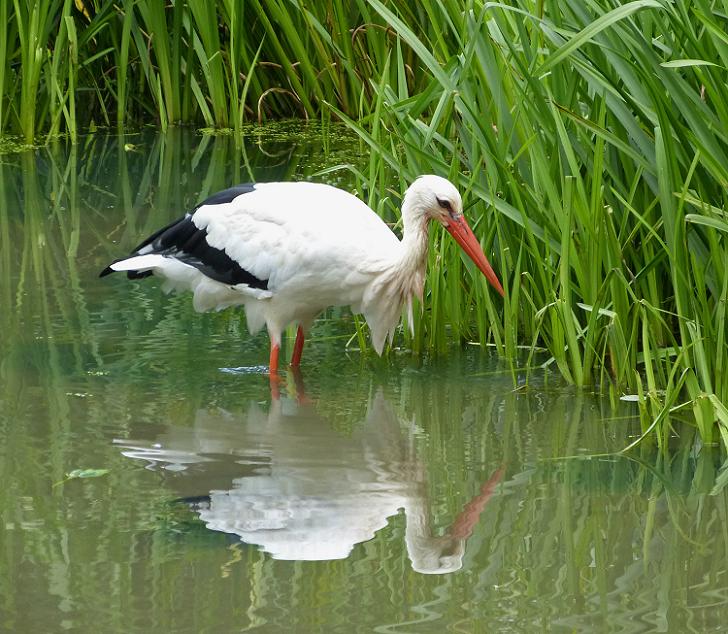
(213, 63)
(589, 143)
(589, 139)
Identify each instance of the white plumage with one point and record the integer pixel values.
(286, 251)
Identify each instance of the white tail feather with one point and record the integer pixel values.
(139, 263)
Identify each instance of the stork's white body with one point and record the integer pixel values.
(286, 251)
(316, 245)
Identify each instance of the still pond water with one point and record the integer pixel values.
(395, 495)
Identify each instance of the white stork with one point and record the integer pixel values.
(286, 251)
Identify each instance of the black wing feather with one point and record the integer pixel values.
(183, 240)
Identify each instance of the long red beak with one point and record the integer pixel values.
(460, 230)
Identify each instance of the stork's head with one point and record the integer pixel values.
(436, 198)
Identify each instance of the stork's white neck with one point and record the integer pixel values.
(404, 277)
(409, 270)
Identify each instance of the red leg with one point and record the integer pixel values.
(273, 366)
(273, 376)
(297, 348)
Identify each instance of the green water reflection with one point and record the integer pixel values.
(226, 509)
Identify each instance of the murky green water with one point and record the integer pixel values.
(371, 496)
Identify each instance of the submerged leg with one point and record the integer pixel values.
(297, 348)
(301, 397)
(273, 376)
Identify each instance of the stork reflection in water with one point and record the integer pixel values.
(289, 483)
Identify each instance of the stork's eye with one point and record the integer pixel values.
(445, 204)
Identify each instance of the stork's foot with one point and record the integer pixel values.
(300, 391)
(273, 376)
(278, 382)
(275, 381)
(292, 383)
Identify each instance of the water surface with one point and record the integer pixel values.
(368, 495)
